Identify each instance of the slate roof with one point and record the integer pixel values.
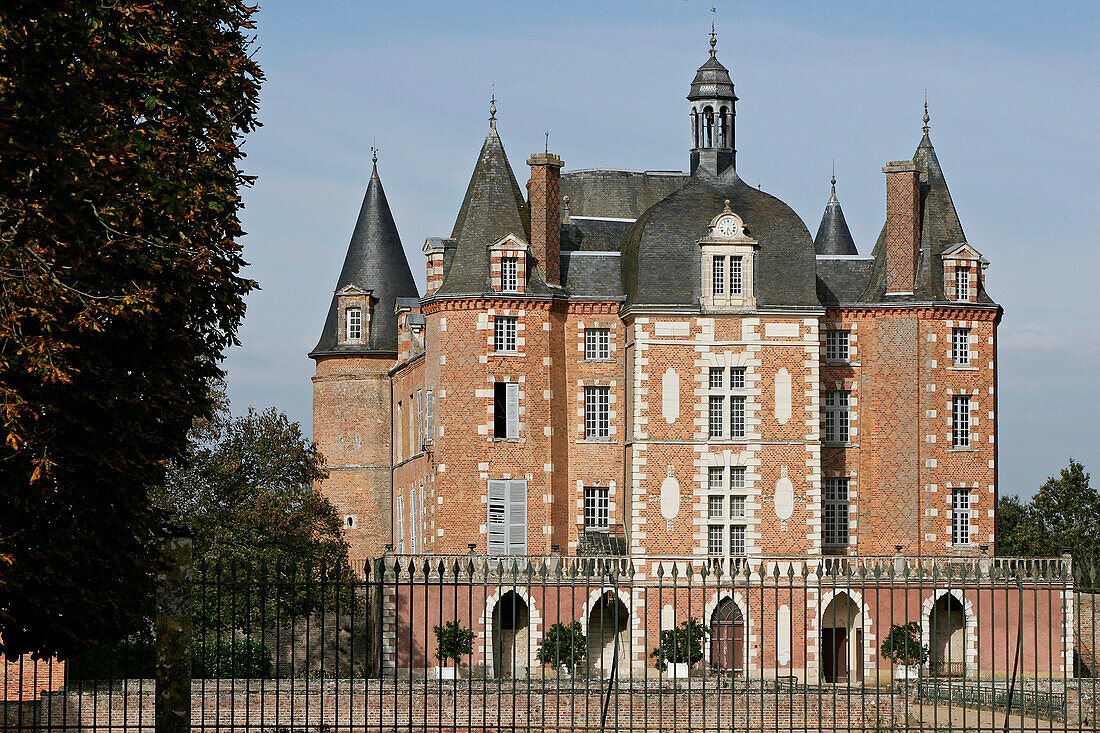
(841, 279)
(833, 236)
(492, 208)
(939, 230)
(661, 253)
(712, 81)
(594, 235)
(591, 274)
(375, 261)
(617, 193)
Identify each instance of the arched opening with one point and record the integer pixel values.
(727, 638)
(608, 621)
(723, 129)
(694, 128)
(842, 640)
(947, 629)
(511, 651)
(708, 127)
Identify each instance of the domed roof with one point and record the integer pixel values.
(661, 256)
(712, 81)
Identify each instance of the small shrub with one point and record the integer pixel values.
(563, 646)
(452, 642)
(682, 645)
(230, 659)
(903, 645)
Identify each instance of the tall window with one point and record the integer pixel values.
(737, 477)
(399, 520)
(718, 275)
(716, 539)
(737, 417)
(960, 516)
(836, 416)
(716, 504)
(506, 520)
(960, 346)
(597, 343)
(737, 539)
(414, 520)
(509, 274)
(716, 417)
(354, 328)
(506, 410)
(737, 506)
(597, 513)
(504, 333)
(716, 478)
(736, 284)
(836, 345)
(962, 283)
(597, 412)
(836, 512)
(960, 421)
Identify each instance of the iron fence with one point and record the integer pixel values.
(599, 643)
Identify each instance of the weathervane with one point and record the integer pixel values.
(713, 35)
(493, 107)
(546, 149)
(926, 117)
(374, 152)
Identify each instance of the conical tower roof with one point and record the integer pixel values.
(833, 236)
(493, 207)
(376, 262)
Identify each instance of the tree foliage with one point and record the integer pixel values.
(246, 490)
(563, 645)
(681, 645)
(1063, 514)
(453, 641)
(120, 131)
(903, 645)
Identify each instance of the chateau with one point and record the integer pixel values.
(617, 362)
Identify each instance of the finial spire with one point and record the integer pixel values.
(493, 109)
(832, 181)
(546, 148)
(713, 35)
(926, 117)
(374, 152)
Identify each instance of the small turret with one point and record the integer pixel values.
(833, 236)
(712, 116)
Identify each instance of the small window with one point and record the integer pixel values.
(836, 345)
(836, 511)
(737, 477)
(509, 274)
(737, 507)
(715, 478)
(736, 285)
(597, 343)
(354, 324)
(737, 417)
(962, 283)
(737, 539)
(737, 378)
(836, 416)
(960, 421)
(717, 378)
(960, 516)
(597, 412)
(716, 417)
(506, 410)
(351, 521)
(504, 333)
(597, 515)
(960, 346)
(716, 539)
(718, 275)
(715, 505)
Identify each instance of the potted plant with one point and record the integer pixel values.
(564, 646)
(903, 647)
(680, 648)
(452, 640)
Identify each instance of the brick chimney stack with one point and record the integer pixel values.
(902, 225)
(544, 196)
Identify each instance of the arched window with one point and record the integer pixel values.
(727, 638)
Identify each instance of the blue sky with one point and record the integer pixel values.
(1012, 90)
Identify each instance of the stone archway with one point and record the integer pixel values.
(842, 640)
(727, 638)
(608, 621)
(947, 637)
(512, 652)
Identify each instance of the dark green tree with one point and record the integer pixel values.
(1063, 514)
(453, 641)
(681, 645)
(246, 488)
(120, 136)
(563, 645)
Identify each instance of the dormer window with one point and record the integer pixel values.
(509, 276)
(728, 254)
(962, 283)
(963, 271)
(354, 324)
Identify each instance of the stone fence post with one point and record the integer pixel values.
(173, 634)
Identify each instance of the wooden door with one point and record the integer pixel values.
(834, 654)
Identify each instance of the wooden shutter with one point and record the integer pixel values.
(512, 410)
(496, 524)
(429, 418)
(419, 419)
(414, 519)
(517, 517)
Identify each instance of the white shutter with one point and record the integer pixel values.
(517, 517)
(512, 409)
(496, 524)
(429, 415)
(414, 519)
(400, 525)
(419, 420)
